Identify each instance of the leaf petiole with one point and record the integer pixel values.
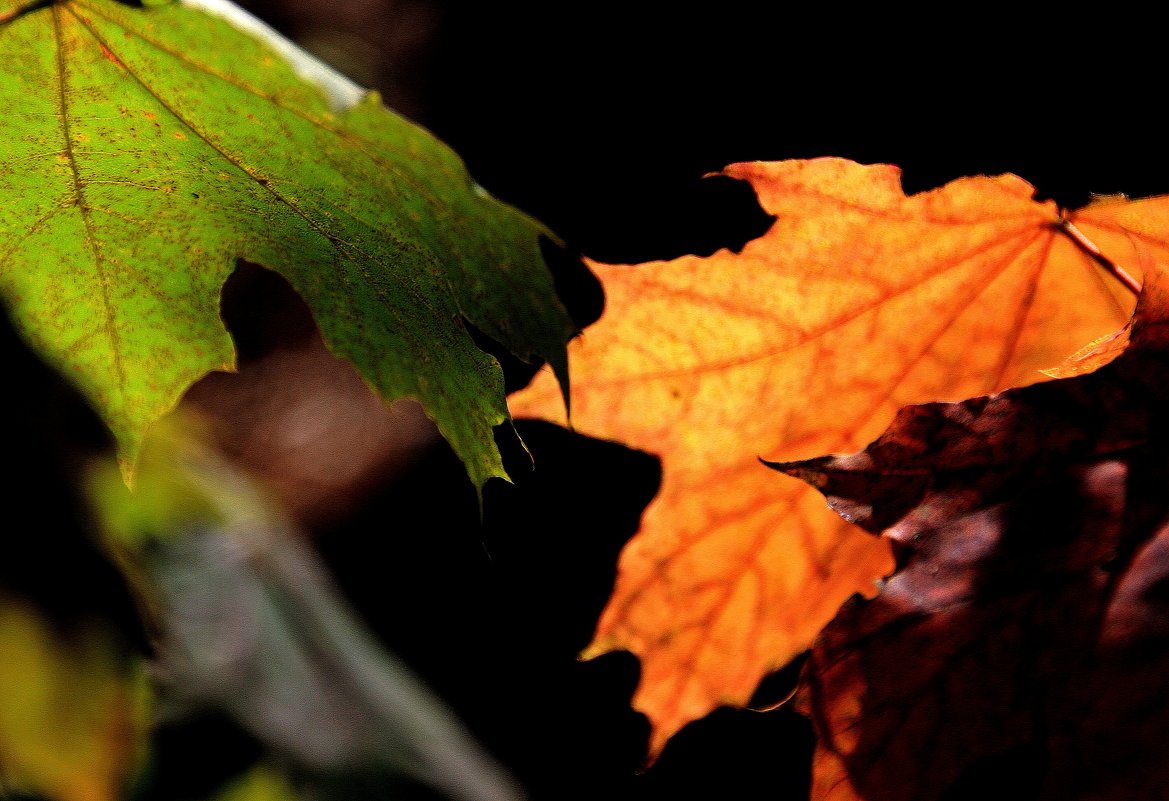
(1068, 228)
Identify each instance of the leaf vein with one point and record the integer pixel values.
(103, 277)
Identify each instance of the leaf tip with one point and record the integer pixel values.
(806, 470)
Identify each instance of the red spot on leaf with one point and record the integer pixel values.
(110, 56)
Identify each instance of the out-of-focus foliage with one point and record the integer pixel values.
(261, 783)
(72, 711)
(251, 626)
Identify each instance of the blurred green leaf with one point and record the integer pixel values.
(72, 708)
(261, 783)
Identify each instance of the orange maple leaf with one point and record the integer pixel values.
(857, 301)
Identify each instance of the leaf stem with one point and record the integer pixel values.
(1068, 228)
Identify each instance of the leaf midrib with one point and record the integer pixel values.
(1029, 236)
(108, 314)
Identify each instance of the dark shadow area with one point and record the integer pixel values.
(736, 754)
(1016, 774)
(583, 299)
(51, 552)
(493, 613)
(190, 760)
(578, 289)
(777, 689)
(263, 312)
(517, 373)
(601, 122)
(547, 536)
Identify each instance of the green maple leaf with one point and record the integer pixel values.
(145, 150)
